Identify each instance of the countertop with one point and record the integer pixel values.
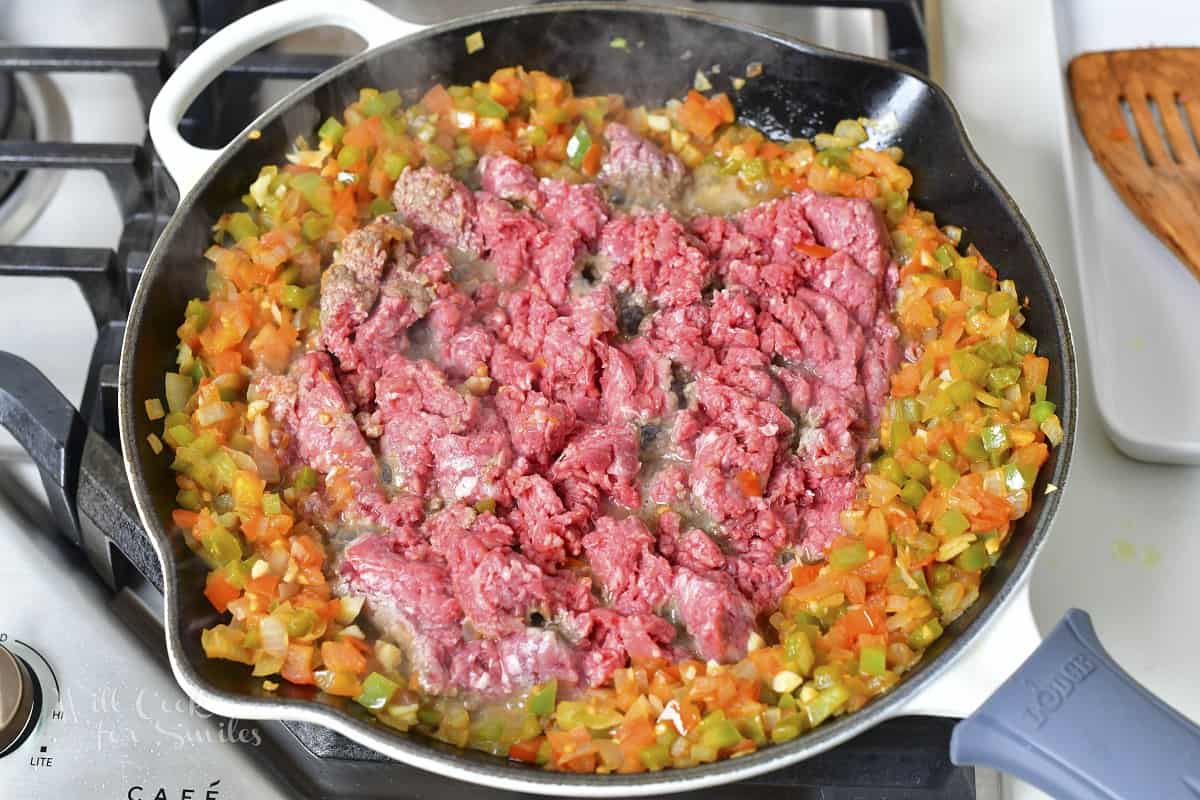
(1123, 543)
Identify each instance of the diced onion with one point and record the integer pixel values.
(268, 467)
(212, 413)
(1019, 501)
(390, 657)
(348, 609)
(274, 636)
(178, 391)
(993, 482)
(278, 561)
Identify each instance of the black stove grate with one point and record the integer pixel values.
(904, 759)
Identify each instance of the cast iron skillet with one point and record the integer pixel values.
(803, 89)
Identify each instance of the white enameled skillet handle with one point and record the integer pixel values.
(979, 671)
(187, 163)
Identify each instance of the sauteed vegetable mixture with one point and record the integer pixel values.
(600, 437)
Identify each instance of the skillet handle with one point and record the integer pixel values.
(187, 163)
(1076, 725)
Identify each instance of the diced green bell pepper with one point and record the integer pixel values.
(916, 470)
(348, 156)
(271, 503)
(306, 479)
(1016, 479)
(994, 352)
(301, 621)
(848, 556)
(973, 559)
(995, 438)
(753, 170)
(826, 703)
(786, 730)
(752, 729)
(925, 635)
(953, 522)
(332, 130)
(961, 392)
(241, 226)
(573, 713)
(189, 499)
(1040, 411)
(380, 206)
(179, 435)
(221, 547)
(487, 107)
(542, 698)
(297, 297)
(655, 757)
(394, 164)
(999, 303)
(717, 732)
(913, 493)
(944, 256)
(889, 468)
(872, 660)
(1023, 344)
(1000, 378)
(970, 366)
(973, 448)
(943, 473)
(578, 144)
(798, 652)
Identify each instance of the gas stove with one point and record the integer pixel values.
(86, 698)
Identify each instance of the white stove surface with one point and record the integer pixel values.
(1121, 547)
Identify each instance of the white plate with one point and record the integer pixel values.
(1141, 305)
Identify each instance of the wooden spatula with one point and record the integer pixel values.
(1140, 113)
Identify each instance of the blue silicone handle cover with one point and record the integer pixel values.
(1073, 723)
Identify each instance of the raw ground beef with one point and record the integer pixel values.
(567, 433)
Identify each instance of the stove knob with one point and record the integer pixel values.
(18, 692)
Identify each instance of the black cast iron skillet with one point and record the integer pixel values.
(803, 89)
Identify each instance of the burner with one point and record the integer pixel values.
(31, 110)
(15, 126)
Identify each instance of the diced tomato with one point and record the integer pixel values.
(720, 105)
(220, 591)
(342, 657)
(906, 380)
(572, 750)
(227, 362)
(438, 100)
(748, 481)
(633, 735)
(526, 750)
(815, 250)
(298, 664)
(265, 584)
(273, 345)
(307, 551)
(1036, 369)
(697, 118)
(184, 518)
(591, 159)
(804, 574)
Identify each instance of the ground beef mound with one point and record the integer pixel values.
(559, 433)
